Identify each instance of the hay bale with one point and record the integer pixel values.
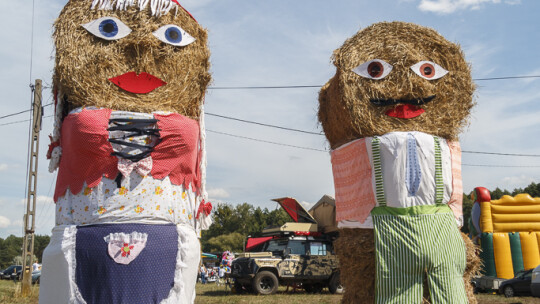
(345, 111)
(355, 249)
(473, 267)
(84, 63)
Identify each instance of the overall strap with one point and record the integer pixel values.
(439, 184)
(377, 169)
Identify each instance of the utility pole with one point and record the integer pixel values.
(30, 216)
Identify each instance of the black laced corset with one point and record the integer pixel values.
(130, 128)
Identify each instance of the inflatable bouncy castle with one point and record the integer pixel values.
(508, 230)
(129, 146)
(392, 113)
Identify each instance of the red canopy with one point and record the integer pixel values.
(295, 210)
(254, 242)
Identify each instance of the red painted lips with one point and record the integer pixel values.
(138, 84)
(405, 111)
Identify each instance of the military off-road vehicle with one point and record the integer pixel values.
(297, 253)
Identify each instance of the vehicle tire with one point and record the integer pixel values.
(265, 283)
(334, 285)
(509, 291)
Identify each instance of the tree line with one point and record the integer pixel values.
(11, 249)
(233, 224)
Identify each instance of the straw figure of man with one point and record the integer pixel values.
(392, 114)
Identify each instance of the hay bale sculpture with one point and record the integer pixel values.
(392, 114)
(129, 80)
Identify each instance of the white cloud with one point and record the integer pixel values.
(450, 6)
(512, 182)
(306, 205)
(3, 167)
(218, 193)
(4, 222)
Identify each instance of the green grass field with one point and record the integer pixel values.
(210, 294)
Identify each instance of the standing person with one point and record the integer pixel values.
(203, 274)
(35, 266)
(221, 274)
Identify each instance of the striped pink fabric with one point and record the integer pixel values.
(353, 182)
(456, 200)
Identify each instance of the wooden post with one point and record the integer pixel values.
(29, 218)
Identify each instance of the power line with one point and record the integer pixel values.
(19, 121)
(507, 77)
(265, 87)
(499, 166)
(303, 131)
(319, 150)
(505, 154)
(266, 141)
(21, 112)
(308, 86)
(262, 124)
(318, 86)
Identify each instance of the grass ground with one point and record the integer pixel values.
(210, 294)
(10, 293)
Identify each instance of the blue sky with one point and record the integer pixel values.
(284, 43)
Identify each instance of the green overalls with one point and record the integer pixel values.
(416, 240)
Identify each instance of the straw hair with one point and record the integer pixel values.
(84, 63)
(345, 110)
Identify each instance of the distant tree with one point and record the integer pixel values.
(532, 189)
(40, 242)
(498, 193)
(467, 207)
(232, 225)
(10, 248)
(233, 242)
(18, 260)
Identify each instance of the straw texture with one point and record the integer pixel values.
(345, 111)
(84, 62)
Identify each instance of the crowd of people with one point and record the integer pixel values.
(218, 274)
(213, 274)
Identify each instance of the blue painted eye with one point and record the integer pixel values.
(108, 28)
(173, 35)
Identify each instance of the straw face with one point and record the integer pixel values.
(168, 76)
(353, 106)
